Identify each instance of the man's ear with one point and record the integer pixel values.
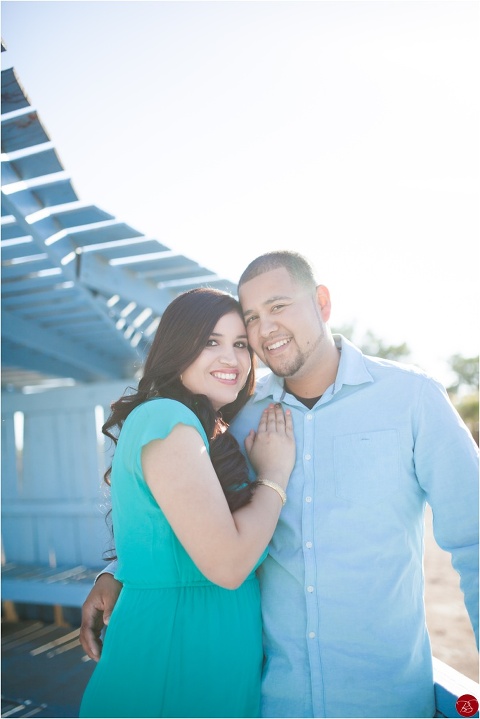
(323, 301)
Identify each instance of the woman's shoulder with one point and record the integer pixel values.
(161, 407)
(163, 413)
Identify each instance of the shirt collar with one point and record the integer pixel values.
(352, 370)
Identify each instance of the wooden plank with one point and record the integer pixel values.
(56, 539)
(9, 458)
(55, 511)
(38, 263)
(60, 347)
(23, 249)
(62, 294)
(93, 539)
(17, 361)
(66, 595)
(51, 681)
(30, 584)
(19, 539)
(38, 164)
(21, 132)
(97, 274)
(449, 686)
(22, 508)
(13, 95)
(78, 397)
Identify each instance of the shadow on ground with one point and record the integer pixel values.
(44, 670)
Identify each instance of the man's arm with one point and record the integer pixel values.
(446, 461)
(96, 612)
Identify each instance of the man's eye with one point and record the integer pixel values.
(277, 307)
(250, 319)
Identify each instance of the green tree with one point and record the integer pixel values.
(371, 344)
(466, 371)
(464, 390)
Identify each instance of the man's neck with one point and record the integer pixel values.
(314, 382)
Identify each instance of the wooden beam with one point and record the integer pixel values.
(94, 272)
(449, 686)
(49, 342)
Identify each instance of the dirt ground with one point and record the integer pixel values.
(451, 634)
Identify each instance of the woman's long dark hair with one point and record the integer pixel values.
(181, 336)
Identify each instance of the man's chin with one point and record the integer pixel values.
(283, 372)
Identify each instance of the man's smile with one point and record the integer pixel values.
(276, 345)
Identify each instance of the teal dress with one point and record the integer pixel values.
(177, 645)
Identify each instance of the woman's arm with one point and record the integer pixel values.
(179, 472)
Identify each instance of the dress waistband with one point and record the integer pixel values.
(179, 585)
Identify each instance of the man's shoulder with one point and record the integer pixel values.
(356, 365)
(402, 372)
(382, 365)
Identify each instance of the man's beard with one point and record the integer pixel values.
(291, 368)
(295, 364)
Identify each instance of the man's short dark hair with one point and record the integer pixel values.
(297, 266)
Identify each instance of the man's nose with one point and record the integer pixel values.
(267, 326)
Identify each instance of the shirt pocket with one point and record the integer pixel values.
(367, 466)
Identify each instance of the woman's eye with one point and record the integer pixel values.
(241, 345)
(211, 343)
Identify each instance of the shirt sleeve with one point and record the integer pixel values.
(446, 464)
(111, 568)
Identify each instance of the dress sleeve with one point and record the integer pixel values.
(154, 419)
(157, 418)
(446, 464)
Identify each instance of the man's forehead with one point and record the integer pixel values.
(268, 283)
(266, 289)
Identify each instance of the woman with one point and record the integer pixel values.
(185, 637)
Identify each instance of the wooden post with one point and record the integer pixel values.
(9, 611)
(58, 617)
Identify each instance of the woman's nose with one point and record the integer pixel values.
(228, 356)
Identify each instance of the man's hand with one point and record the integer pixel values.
(96, 613)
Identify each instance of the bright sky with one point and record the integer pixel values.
(345, 130)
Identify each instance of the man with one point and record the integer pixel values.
(342, 587)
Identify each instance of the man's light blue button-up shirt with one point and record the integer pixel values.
(342, 587)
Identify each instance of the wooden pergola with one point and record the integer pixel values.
(82, 295)
(82, 292)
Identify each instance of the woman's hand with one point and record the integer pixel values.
(271, 449)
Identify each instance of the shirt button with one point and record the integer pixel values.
(310, 589)
(308, 456)
(309, 545)
(308, 499)
(311, 635)
(309, 416)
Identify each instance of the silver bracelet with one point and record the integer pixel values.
(281, 492)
